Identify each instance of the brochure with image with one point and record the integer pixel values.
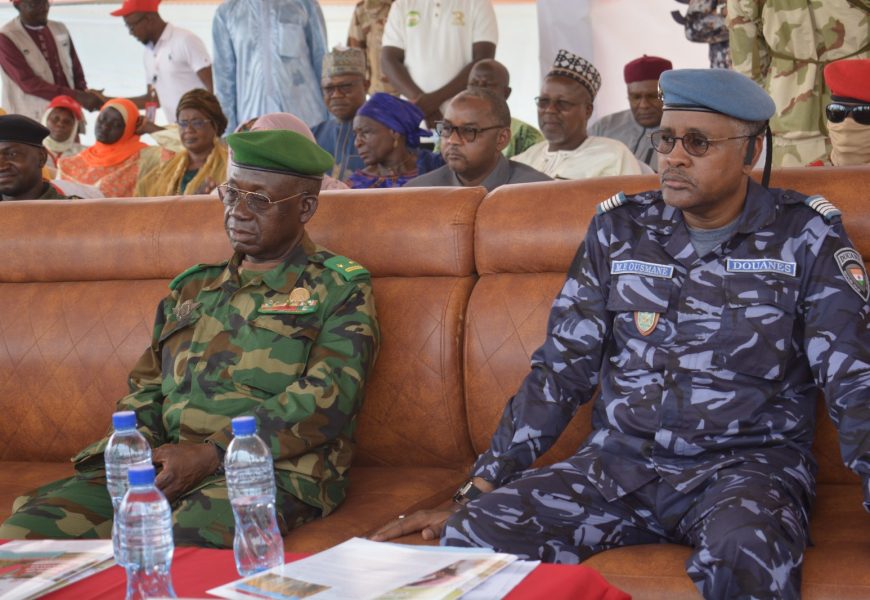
(363, 569)
(31, 568)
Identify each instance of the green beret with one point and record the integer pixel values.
(279, 150)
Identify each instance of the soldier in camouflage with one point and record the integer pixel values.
(285, 331)
(784, 46)
(709, 313)
(704, 22)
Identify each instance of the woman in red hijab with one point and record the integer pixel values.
(115, 163)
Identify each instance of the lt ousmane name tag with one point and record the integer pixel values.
(639, 267)
(761, 265)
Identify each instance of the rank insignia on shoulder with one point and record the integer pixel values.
(184, 309)
(852, 267)
(349, 270)
(298, 302)
(614, 201)
(822, 206)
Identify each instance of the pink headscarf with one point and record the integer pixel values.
(290, 122)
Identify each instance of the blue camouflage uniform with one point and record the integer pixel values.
(709, 369)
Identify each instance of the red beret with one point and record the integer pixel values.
(646, 68)
(133, 6)
(68, 103)
(849, 78)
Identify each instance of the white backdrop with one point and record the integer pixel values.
(621, 30)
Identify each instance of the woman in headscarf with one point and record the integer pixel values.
(286, 121)
(65, 121)
(202, 164)
(388, 135)
(115, 163)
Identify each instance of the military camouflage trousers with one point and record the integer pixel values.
(746, 526)
(80, 507)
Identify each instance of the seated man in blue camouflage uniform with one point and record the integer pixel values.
(709, 313)
(285, 331)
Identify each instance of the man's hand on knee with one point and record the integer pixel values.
(183, 466)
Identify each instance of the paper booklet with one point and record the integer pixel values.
(362, 569)
(31, 568)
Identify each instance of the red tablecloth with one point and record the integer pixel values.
(195, 570)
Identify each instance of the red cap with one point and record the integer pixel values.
(646, 68)
(133, 6)
(849, 78)
(68, 103)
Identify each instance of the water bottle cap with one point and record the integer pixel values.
(125, 419)
(141, 475)
(244, 426)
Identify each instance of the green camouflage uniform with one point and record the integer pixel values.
(784, 46)
(226, 342)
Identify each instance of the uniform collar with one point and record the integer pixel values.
(281, 279)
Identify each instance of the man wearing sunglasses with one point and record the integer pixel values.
(285, 331)
(564, 108)
(848, 114)
(38, 62)
(475, 130)
(707, 315)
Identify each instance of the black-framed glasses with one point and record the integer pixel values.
(344, 88)
(198, 124)
(561, 106)
(255, 201)
(469, 134)
(695, 144)
(837, 112)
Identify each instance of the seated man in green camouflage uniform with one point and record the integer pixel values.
(285, 330)
(22, 157)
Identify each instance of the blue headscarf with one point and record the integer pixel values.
(396, 114)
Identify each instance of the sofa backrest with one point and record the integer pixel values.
(80, 282)
(525, 239)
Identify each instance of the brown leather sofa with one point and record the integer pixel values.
(463, 284)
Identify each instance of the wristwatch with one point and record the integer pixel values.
(467, 493)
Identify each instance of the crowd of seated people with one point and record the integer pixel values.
(376, 141)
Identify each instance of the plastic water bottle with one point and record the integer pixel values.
(146, 537)
(126, 448)
(251, 487)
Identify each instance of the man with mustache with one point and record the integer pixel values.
(475, 130)
(284, 331)
(633, 127)
(22, 157)
(564, 107)
(344, 86)
(707, 314)
(39, 62)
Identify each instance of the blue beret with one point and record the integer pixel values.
(716, 90)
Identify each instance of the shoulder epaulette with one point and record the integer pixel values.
(614, 201)
(349, 270)
(823, 207)
(173, 285)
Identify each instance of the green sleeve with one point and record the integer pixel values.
(749, 51)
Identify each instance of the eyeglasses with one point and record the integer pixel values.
(469, 134)
(198, 124)
(560, 105)
(256, 202)
(344, 88)
(695, 144)
(837, 113)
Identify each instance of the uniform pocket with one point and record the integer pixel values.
(640, 305)
(757, 326)
(276, 351)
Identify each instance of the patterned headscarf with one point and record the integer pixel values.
(397, 115)
(205, 102)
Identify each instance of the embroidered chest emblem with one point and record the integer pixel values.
(458, 18)
(413, 18)
(646, 322)
(184, 309)
(852, 267)
(639, 267)
(297, 302)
